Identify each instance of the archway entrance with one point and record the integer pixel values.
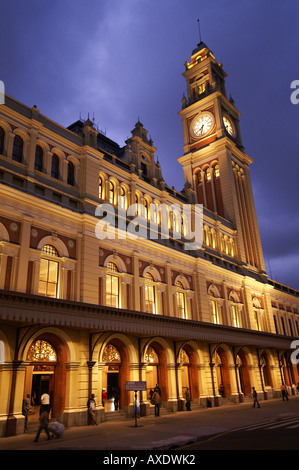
(152, 370)
(243, 377)
(115, 374)
(189, 372)
(110, 379)
(156, 372)
(185, 368)
(46, 373)
(223, 386)
(266, 371)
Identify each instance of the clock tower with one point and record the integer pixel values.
(214, 161)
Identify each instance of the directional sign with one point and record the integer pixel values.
(135, 386)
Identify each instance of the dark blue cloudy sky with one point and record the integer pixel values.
(123, 59)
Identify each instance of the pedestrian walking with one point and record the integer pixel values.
(116, 398)
(45, 402)
(188, 400)
(157, 389)
(43, 424)
(284, 392)
(91, 406)
(25, 410)
(104, 397)
(255, 398)
(157, 402)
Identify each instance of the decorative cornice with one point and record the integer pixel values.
(25, 309)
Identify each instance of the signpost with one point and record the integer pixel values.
(136, 386)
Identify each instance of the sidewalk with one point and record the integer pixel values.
(165, 432)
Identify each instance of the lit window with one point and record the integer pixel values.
(151, 355)
(49, 272)
(215, 312)
(201, 88)
(216, 171)
(257, 321)
(208, 174)
(180, 298)
(146, 209)
(101, 188)
(111, 193)
(112, 286)
(184, 358)
(41, 351)
(235, 316)
(150, 305)
(111, 354)
(123, 198)
(154, 208)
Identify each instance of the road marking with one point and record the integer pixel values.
(283, 424)
(272, 424)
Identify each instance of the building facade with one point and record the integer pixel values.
(79, 312)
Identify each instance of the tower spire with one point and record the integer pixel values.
(199, 33)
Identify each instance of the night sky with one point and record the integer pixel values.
(120, 60)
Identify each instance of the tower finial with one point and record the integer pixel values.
(199, 33)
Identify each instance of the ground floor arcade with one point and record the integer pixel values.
(71, 363)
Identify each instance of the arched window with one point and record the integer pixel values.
(151, 356)
(38, 163)
(111, 354)
(215, 307)
(150, 294)
(207, 173)
(112, 286)
(55, 166)
(71, 174)
(216, 170)
(235, 309)
(123, 198)
(41, 351)
(101, 187)
(137, 202)
(2, 137)
(111, 193)
(17, 151)
(175, 222)
(213, 239)
(49, 272)
(146, 209)
(154, 212)
(258, 314)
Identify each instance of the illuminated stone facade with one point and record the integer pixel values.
(79, 314)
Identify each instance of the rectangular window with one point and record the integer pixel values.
(181, 304)
(235, 316)
(150, 299)
(112, 291)
(48, 278)
(257, 321)
(215, 312)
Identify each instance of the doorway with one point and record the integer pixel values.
(40, 380)
(112, 387)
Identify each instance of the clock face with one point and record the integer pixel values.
(202, 124)
(229, 126)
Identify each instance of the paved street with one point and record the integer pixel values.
(178, 430)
